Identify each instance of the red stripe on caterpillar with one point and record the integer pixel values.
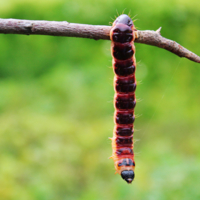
(122, 48)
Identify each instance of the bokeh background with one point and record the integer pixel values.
(56, 105)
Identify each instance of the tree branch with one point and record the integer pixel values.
(154, 38)
(31, 27)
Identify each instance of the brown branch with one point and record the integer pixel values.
(31, 27)
(154, 38)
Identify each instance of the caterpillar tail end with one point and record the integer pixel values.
(128, 175)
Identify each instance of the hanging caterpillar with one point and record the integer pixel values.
(124, 64)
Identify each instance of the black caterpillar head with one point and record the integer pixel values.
(128, 175)
(124, 19)
(122, 30)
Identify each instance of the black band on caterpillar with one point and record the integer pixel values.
(124, 64)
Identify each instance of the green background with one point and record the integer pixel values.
(56, 105)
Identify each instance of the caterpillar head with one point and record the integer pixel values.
(124, 19)
(122, 29)
(126, 169)
(128, 175)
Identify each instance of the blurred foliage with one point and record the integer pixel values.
(56, 105)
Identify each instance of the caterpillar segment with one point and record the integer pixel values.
(122, 48)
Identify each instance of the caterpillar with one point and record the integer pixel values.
(122, 49)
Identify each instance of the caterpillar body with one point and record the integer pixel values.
(122, 48)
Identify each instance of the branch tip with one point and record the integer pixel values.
(158, 30)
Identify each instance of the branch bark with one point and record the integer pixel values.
(31, 27)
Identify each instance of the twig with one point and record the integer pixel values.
(154, 38)
(31, 27)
